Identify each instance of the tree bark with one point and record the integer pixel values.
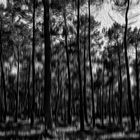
(109, 103)
(127, 69)
(59, 96)
(47, 88)
(90, 64)
(84, 88)
(120, 87)
(112, 89)
(68, 64)
(29, 89)
(17, 96)
(2, 74)
(137, 81)
(33, 67)
(79, 69)
(102, 95)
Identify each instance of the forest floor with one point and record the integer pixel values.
(23, 131)
(97, 134)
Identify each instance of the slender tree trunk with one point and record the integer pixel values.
(100, 102)
(137, 81)
(127, 69)
(39, 104)
(91, 76)
(33, 67)
(4, 90)
(102, 106)
(2, 73)
(29, 88)
(65, 108)
(25, 89)
(58, 94)
(79, 69)
(120, 87)
(84, 88)
(105, 107)
(47, 91)
(17, 96)
(68, 65)
(112, 89)
(109, 90)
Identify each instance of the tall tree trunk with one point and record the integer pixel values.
(127, 69)
(2, 74)
(17, 96)
(91, 76)
(102, 95)
(105, 107)
(58, 93)
(120, 87)
(68, 65)
(112, 89)
(79, 69)
(33, 67)
(4, 89)
(84, 88)
(109, 103)
(100, 102)
(29, 63)
(47, 91)
(137, 81)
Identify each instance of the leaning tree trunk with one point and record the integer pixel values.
(127, 69)
(79, 69)
(33, 67)
(68, 64)
(91, 76)
(47, 88)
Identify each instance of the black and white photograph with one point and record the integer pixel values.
(69, 69)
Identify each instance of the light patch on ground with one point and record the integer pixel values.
(119, 135)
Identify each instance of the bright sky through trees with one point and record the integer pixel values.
(107, 15)
(4, 2)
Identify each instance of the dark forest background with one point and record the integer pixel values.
(59, 68)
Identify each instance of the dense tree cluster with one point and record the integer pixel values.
(56, 65)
